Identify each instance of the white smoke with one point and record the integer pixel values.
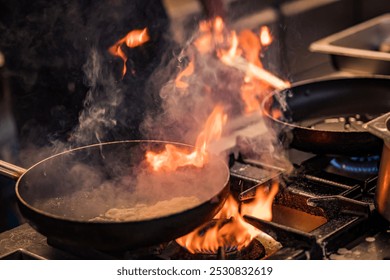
(100, 104)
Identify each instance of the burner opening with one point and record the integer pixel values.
(218, 238)
(227, 249)
(366, 165)
(255, 250)
(210, 229)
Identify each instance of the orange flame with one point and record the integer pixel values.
(243, 53)
(260, 207)
(248, 45)
(172, 157)
(211, 33)
(233, 50)
(218, 24)
(249, 96)
(185, 73)
(276, 113)
(133, 39)
(251, 89)
(230, 229)
(251, 47)
(265, 36)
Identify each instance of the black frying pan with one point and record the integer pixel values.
(325, 116)
(62, 195)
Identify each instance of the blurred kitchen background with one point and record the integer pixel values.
(294, 24)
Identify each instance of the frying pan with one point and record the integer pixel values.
(325, 116)
(61, 196)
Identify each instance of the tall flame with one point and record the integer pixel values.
(211, 33)
(251, 88)
(133, 39)
(230, 228)
(242, 51)
(172, 157)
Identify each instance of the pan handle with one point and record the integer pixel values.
(380, 127)
(10, 170)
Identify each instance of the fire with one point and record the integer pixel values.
(251, 93)
(244, 54)
(276, 113)
(211, 33)
(260, 207)
(185, 73)
(251, 47)
(229, 228)
(241, 51)
(265, 36)
(133, 39)
(172, 157)
(247, 44)
(252, 89)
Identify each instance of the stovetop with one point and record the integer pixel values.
(324, 210)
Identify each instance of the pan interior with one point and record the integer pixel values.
(83, 184)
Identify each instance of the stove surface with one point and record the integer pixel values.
(319, 213)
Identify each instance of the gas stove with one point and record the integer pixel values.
(324, 210)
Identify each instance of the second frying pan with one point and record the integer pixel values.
(325, 116)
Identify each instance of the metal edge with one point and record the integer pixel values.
(324, 45)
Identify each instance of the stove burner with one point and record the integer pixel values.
(254, 251)
(226, 249)
(368, 165)
(216, 224)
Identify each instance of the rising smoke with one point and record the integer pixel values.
(66, 89)
(100, 104)
(185, 108)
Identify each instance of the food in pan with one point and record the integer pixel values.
(145, 212)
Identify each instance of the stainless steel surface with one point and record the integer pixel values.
(361, 48)
(24, 242)
(379, 127)
(374, 247)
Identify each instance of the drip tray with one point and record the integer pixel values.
(296, 219)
